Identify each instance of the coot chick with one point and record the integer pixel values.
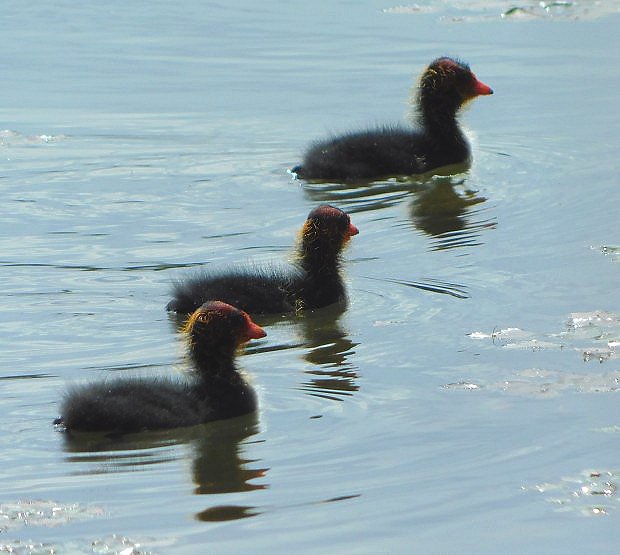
(313, 280)
(216, 391)
(390, 151)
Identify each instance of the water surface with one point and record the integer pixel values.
(465, 402)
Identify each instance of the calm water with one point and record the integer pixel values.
(466, 402)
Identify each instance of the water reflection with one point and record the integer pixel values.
(356, 198)
(218, 464)
(372, 195)
(440, 211)
(222, 513)
(328, 348)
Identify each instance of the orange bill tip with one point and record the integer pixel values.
(253, 331)
(480, 88)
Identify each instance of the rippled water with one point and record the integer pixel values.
(465, 402)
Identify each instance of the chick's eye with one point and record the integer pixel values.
(203, 317)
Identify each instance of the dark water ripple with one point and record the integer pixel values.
(430, 285)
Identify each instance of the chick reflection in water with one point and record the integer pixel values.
(218, 466)
(328, 348)
(441, 212)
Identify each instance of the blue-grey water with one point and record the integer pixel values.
(467, 399)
